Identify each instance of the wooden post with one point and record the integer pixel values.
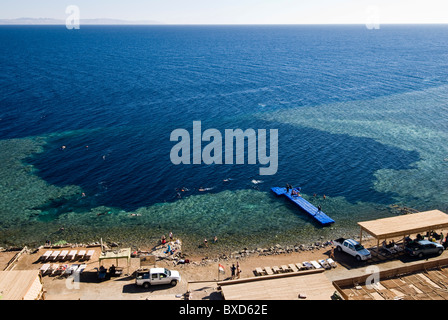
(378, 247)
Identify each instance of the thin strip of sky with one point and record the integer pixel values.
(237, 11)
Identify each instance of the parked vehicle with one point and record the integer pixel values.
(157, 276)
(353, 248)
(423, 247)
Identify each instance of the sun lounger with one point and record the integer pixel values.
(63, 255)
(300, 266)
(331, 262)
(268, 270)
(259, 272)
(276, 269)
(53, 268)
(308, 265)
(81, 268)
(46, 255)
(54, 255)
(293, 267)
(72, 255)
(81, 254)
(90, 254)
(390, 250)
(60, 270)
(44, 269)
(70, 270)
(315, 264)
(324, 263)
(284, 268)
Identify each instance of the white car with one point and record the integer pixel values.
(157, 276)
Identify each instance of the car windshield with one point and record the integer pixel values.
(167, 272)
(358, 247)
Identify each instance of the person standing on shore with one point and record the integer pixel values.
(238, 270)
(332, 253)
(232, 269)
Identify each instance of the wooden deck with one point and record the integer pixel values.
(313, 285)
(427, 281)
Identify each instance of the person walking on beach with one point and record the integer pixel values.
(238, 270)
(171, 236)
(205, 243)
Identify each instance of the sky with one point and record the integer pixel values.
(237, 11)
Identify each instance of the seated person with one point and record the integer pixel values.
(112, 270)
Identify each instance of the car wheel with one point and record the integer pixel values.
(440, 252)
(358, 258)
(146, 285)
(173, 282)
(339, 249)
(420, 255)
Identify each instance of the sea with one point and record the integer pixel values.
(86, 118)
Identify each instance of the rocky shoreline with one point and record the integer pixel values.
(197, 258)
(204, 259)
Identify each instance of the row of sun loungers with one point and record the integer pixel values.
(67, 255)
(306, 265)
(62, 270)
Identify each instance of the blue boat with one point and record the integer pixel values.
(314, 212)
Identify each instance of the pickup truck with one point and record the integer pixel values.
(353, 248)
(156, 276)
(424, 247)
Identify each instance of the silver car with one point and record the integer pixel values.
(424, 247)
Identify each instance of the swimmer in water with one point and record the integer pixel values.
(204, 189)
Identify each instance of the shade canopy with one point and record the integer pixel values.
(118, 254)
(404, 225)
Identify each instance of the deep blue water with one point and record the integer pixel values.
(122, 90)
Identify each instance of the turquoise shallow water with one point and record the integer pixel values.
(361, 117)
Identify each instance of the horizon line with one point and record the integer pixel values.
(130, 23)
(116, 22)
